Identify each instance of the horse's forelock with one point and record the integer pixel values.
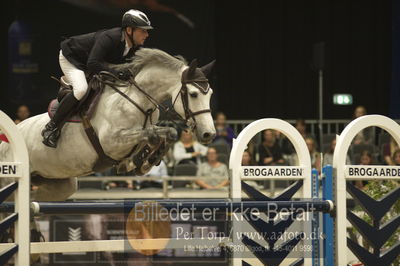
(197, 78)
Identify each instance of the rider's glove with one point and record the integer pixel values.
(124, 74)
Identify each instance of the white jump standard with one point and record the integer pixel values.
(301, 173)
(346, 173)
(18, 169)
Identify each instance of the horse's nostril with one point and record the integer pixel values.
(208, 136)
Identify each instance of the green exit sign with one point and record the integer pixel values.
(342, 99)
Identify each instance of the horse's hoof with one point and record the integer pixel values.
(36, 236)
(172, 135)
(145, 168)
(138, 172)
(154, 139)
(122, 169)
(50, 144)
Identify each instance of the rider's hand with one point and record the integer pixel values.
(124, 74)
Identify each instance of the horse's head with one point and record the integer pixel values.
(192, 101)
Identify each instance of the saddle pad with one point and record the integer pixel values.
(4, 138)
(53, 108)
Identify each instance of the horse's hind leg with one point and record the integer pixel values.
(53, 189)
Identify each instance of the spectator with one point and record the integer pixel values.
(301, 126)
(114, 184)
(252, 150)
(269, 150)
(169, 161)
(225, 133)
(22, 114)
(365, 159)
(388, 151)
(247, 159)
(396, 157)
(285, 144)
(157, 170)
(359, 111)
(314, 154)
(366, 135)
(187, 150)
(328, 157)
(214, 172)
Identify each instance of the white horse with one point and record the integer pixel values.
(117, 122)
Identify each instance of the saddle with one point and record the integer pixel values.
(87, 104)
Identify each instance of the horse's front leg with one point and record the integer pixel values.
(155, 132)
(152, 139)
(121, 141)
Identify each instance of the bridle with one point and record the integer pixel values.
(183, 92)
(171, 116)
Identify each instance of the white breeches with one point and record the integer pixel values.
(75, 76)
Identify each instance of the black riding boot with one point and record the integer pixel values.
(52, 130)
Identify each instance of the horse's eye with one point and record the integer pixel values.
(193, 94)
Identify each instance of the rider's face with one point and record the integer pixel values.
(139, 36)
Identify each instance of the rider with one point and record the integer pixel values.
(90, 53)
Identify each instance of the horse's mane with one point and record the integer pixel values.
(146, 57)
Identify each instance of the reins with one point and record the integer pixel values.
(148, 113)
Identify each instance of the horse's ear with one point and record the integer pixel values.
(208, 68)
(192, 67)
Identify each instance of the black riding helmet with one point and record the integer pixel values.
(136, 19)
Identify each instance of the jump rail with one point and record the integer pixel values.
(69, 208)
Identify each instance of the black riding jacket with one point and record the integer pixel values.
(90, 52)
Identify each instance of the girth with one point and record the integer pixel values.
(104, 161)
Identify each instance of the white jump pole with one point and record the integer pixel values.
(21, 161)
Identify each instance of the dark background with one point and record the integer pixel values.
(264, 51)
